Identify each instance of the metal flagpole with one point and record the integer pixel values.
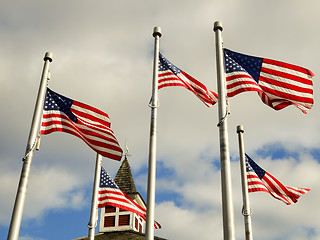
(227, 204)
(153, 139)
(246, 211)
(94, 204)
(27, 160)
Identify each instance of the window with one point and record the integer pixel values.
(138, 223)
(109, 221)
(124, 220)
(114, 218)
(110, 209)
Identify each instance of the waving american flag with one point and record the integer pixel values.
(88, 123)
(260, 180)
(110, 194)
(170, 75)
(278, 84)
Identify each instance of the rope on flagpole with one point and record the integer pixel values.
(246, 213)
(92, 226)
(226, 115)
(152, 106)
(32, 148)
(36, 144)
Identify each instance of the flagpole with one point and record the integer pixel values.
(226, 189)
(27, 160)
(93, 215)
(153, 139)
(246, 211)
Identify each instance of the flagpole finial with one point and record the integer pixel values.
(217, 26)
(48, 56)
(240, 129)
(157, 32)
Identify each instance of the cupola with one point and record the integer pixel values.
(117, 219)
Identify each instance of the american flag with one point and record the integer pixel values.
(278, 84)
(170, 75)
(260, 180)
(110, 194)
(88, 123)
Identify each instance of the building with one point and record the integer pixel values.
(119, 224)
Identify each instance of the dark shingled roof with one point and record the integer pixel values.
(120, 235)
(124, 178)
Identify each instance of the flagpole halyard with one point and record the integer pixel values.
(27, 160)
(94, 203)
(226, 189)
(246, 211)
(149, 235)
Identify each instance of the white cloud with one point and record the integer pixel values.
(187, 223)
(199, 203)
(48, 189)
(102, 56)
(27, 237)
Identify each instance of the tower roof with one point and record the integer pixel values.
(124, 178)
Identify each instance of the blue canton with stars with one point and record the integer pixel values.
(239, 62)
(164, 65)
(55, 101)
(106, 180)
(252, 166)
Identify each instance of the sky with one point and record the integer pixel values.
(103, 56)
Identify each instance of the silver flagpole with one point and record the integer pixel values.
(93, 215)
(227, 204)
(246, 211)
(153, 139)
(27, 160)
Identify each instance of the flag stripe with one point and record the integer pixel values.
(110, 194)
(295, 88)
(95, 143)
(57, 118)
(80, 129)
(278, 103)
(283, 93)
(287, 80)
(121, 203)
(105, 148)
(89, 118)
(238, 82)
(259, 180)
(291, 84)
(277, 189)
(287, 67)
(168, 79)
(169, 75)
(88, 123)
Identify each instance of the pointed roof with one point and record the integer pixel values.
(124, 178)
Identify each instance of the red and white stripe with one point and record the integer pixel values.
(93, 127)
(117, 198)
(238, 82)
(286, 84)
(168, 78)
(280, 84)
(271, 185)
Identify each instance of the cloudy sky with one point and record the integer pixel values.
(103, 56)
